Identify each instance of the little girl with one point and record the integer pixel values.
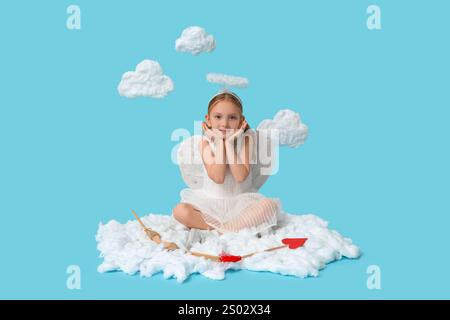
(225, 202)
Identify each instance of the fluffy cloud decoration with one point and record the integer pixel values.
(125, 247)
(148, 81)
(292, 132)
(226, 80)
(195, 40)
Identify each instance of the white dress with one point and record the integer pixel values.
(223, 204)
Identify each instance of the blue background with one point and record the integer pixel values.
(74, 153)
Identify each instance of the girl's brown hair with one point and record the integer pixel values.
(226, 96)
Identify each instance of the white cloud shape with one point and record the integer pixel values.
(148, 81)
(195, 40)
(231, 81)
(292, 132)
(125, 247)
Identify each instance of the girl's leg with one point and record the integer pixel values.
(257, 214)
(186, 214)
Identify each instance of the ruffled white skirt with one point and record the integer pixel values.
(245, 210)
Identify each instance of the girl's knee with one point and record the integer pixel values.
(181, 212)
(270, 205)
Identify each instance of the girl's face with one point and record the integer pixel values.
(224, 115)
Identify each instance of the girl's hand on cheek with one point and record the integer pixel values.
(246, 126)
(238, 132)
(212, 134)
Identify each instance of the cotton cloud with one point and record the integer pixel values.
(292, 132)
(231, 81)
(125, 247)
(148, 81)
(195, 40)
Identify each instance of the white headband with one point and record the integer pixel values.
(226, 91)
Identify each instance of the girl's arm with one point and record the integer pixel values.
(215, 163)
(239, 161)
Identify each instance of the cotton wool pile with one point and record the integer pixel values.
(125, 247)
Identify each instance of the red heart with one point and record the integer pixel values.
(294, 243)
(229, 258)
